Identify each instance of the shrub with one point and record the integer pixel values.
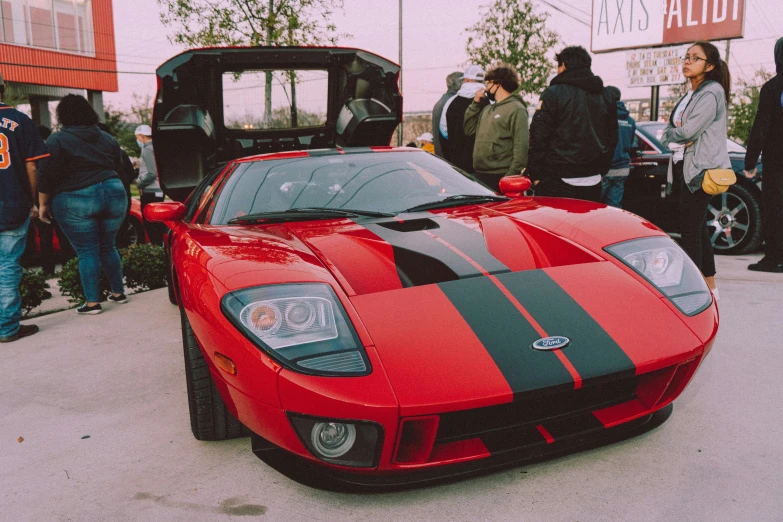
(71, 285)
(144, 266)
(34, 290)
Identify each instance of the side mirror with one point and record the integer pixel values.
(515, 186)
(168, 211)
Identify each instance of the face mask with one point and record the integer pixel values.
(490, 95)
(140, 144)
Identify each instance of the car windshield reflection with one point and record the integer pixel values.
(373, 181)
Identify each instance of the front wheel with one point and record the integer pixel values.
(209, 417)
(734, 221)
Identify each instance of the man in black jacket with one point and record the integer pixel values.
(574, 131)
(766, 135)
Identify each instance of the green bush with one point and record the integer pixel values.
(34, 290)
(71, 285)
(143, 266)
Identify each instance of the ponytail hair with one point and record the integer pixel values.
(720, 71)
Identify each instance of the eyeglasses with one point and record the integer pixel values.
(689, 58)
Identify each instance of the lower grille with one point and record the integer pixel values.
(530, 410)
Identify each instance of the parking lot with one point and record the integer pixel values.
(94, 426)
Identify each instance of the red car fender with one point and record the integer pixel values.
(200, 294)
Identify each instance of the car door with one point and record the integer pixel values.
(215, 105)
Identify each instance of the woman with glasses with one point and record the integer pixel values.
(697, 135)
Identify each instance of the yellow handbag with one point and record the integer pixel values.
(718, 181)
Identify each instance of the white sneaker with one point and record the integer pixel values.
(716, 294)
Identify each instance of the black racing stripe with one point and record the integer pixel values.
(577, 424)
(419, 243)
(594, 354)
(506, 335)
(470, 242)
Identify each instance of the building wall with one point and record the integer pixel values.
(27, 61)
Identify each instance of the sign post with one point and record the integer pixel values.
(655, 101)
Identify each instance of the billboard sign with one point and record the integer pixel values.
(635, 24)
(648, 67)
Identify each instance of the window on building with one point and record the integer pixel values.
(65, 25)
(41, 23)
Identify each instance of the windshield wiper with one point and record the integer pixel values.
(297, 214)
(458, 198)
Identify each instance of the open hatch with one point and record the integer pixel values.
(215, 105)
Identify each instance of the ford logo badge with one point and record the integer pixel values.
(551, 343)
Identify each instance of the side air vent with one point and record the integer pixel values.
(346, 362)
(412, 225)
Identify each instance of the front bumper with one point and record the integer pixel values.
(432, 447)
(332, 478)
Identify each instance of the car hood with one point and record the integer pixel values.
(376, 255)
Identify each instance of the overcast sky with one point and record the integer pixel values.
(433, 42)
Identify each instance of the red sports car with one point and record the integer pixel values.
(378, 313)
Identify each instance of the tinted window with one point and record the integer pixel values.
(195, 199)
(379, 181)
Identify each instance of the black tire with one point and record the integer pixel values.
(171, 282)
(172, 293)
(734, 221)
(209, 417)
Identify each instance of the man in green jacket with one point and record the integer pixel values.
(500, 128)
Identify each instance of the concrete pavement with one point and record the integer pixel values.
(100, 403)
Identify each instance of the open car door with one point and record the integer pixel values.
(215, 105)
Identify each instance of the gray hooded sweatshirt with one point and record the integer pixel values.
(704, 124)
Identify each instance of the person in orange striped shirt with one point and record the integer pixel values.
(21, 147)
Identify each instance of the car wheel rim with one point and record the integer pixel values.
(133, 236)
(728, 221)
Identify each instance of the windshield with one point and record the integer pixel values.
(372, 181)
(734, 146)
(656, 131)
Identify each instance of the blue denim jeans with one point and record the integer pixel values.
(612, 189)
(91, 218)
(12, 243)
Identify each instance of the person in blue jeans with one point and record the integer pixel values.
(613, 183)
(20, 148)
(80, 185)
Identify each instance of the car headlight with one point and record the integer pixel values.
(303, 326)
(667, 267)
(338, 441)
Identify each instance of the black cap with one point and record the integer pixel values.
(614, 92)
